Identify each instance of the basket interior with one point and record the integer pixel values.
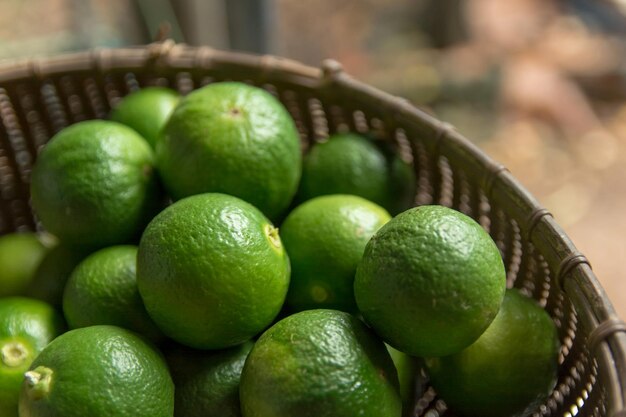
(34, 108)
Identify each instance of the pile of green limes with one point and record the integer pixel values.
(196, 263)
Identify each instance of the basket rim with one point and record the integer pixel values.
(573, 274)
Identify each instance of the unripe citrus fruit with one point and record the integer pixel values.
(212, 271)
(102, 289)
(53, 272)
(94, 184)
(319, 363)
(509, 370)
(348, 163)
(325, 238)
(235, 139)
(26, 327)
(20, 254)
(97, 371)
(207, 382)
(146, 111)
(430, 281)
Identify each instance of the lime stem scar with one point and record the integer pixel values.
(13, 354)
(38, 382)
(272, 234)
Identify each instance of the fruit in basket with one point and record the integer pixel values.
(94, 184)
(102, 289)
(26, 327)
(53, 272)
(348, 163)
(430, 281)
(408, 369)
(325, 238)
(98, 371)
(319, 363)
(509, 370)
(212, 271)
(207, 383)
(235, 139)
(147, 111)
(20, 253)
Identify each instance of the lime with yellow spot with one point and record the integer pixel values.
(212, 271)
(325, 238)
(97, 371)
(26, 327)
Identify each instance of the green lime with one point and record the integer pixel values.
(53, 272)
(94, 184)
(146, 111)
(510, 370)
(103, 290)
(325, 238)
(212, 271)
(26, 327)
(348, 163)
(430, 281)
(408, 368)
(319, 363)
(98, 371)
(20, 254)
(235, 139)
(207, 383)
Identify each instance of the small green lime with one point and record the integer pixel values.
(212, 271)
(325, 238)
(408, 369)
(235, 139)
(207, 383)
(509, 370)
(319, 363)
(102, 289)
(430, 281)
(97, 371)
(94, 184)
(20, 254)
(348, 163)
(146, 110)
(53, 272)
(26, 327)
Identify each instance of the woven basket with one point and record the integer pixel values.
(40, 97)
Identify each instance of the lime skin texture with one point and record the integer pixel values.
(319, 363)
(212, 271)
(98, 371)
(510, 370)
(235, 139)
(94, 184)
(430, 281)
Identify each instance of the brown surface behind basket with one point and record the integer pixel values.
(40, 97)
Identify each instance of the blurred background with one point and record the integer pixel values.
(540, 85)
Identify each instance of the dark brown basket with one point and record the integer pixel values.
(40, 97)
